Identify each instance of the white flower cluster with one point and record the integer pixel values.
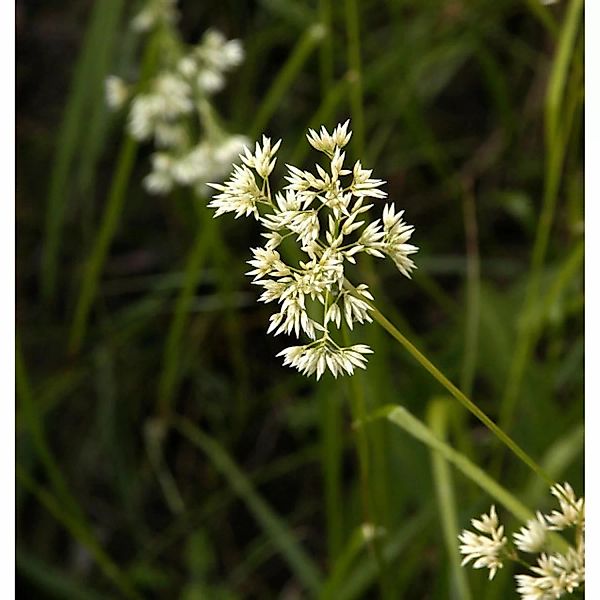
(325, 215)
(155, 12)
(487, 550)
(174, 102)
(555, 574)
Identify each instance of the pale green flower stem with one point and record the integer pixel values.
(455, 392)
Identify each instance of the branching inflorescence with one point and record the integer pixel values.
(555, 573)
(176, 102)
(325, 216)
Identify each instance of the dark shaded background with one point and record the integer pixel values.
(454, 109)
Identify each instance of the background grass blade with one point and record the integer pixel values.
(52, 581)
(556, 143)
(203, 242)
(84, 89)
(80, 533)
(364, 574)
(95, 262)
(399, 416)
(34, 422)
(306, 571)
(110, 217)
(446, 498)
(303, 49)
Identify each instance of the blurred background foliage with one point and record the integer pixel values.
(183, 461)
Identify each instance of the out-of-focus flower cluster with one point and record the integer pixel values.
(176, 102)
(555, 573)
(325, 217)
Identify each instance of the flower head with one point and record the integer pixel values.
(176, 101)
(555, 573)
(326, 215)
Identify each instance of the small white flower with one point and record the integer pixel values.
(364, 185)
(160, 180)
(168, 99)
(326, 142)
(355, 310)
(556, 575)
(396, 234)
(153, 13)
(209, 81)
(262, 161)
(532, 537)
(532, 588)
(315, 359)
(116, 92)
(239, 194)
(485, 550)
(337, 163)
(187, 66)
(553, 575)
(571, 509)
(218, 53)
(267, 262)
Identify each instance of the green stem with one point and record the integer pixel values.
(543, 15)
(457, 394)
(331, 459)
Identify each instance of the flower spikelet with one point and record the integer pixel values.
(571, 509)
(554, 574)
(485, 550)
(325, 213)
(532, 537)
